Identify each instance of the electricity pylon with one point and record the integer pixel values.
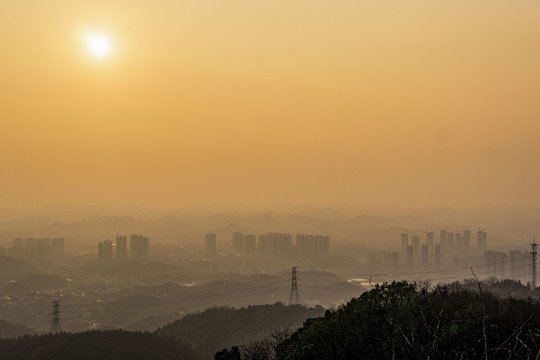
(55, 321)
(294, 298)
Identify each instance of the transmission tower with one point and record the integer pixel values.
(294, 298)
(533, 253)
(55, 321)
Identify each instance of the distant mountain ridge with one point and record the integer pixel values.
(503, 224)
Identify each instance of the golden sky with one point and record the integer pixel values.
(404, 103)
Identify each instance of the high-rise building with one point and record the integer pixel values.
(404, 245)
(429, 242)
(17, 243)
(442, 241)
(391, 261)
(374, 260)
(495, 263)
(502, 265)
(409, 256)
(416, 247)
(43, 249)
(17, 250)
(312, 246)
(438, 255)
(466, 239)
(210, 244)
(29, 249)
(30, 243)
(263, 245)
(250, 242)
(105, 252)
(42, 241)
(121, 247)
(481, 240)
(279, 245)
(395, 260)
(138, 247)
(387, 259)
(449, 252)
(3, 251)
(424, 256)
(238, 242)
(519, 263)
(57, 247)
(489, 265)
(458, 244)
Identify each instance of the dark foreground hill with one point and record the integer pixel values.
(195, 336)
(406, 321)
(216, 328)
(94, 345)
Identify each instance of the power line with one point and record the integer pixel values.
(232, 292)
(429, 271)
(134, 303)
(191, 295)
(232, 289)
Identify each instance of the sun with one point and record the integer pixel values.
(98, 45)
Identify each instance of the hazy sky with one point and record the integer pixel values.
(414, 103)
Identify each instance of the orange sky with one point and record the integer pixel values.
(413, 103)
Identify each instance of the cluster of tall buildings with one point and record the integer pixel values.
(32, 249)
(105, 251)
(138, 248)
(450, 244)
(312, 246)
(210, 244)
(275, 245)
(515, 264)
(455, 251)
(452, 248)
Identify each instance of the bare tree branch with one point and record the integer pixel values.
(518, 330)
(485, 356)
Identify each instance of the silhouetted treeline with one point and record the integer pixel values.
(216, 328)
(409, 321)
(507, 287)
(399, 320)
(196, 336)
(96, 345)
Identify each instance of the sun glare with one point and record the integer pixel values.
(98, 45)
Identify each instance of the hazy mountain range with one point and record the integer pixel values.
(343, 224)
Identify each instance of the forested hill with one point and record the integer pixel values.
(216, 328)
(406, 321)
(392, 321)
(96, 345)
(196, 336)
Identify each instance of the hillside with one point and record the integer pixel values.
(11, 265)
(93, 345)
(407, 321)
(216, 328)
